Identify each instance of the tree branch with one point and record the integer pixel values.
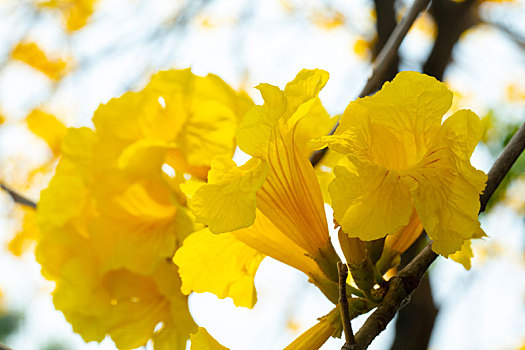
(18, 198)
(452, 19)
(502, 165)
(383, 61)
(345, 312)
(386, 22)
(407, 280)
(389, 52)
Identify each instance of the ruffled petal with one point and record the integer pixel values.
(219, 264)
(305, 86)
(464, 255)
(447, 200)
(370, 202)
(228, 201)
(463, 131)
(394, 127)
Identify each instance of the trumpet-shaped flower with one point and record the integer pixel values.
(273, 202)
(400, 156)
(111, 219)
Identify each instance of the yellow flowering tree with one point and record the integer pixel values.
(153, 201)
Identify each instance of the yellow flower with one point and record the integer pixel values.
(111, 219)
(75, 13)
(399, 156)
(328, 19)
(27, 234)
(193, 118)
(272, 203)
(32, 55)
(48, 128)
(104, 240)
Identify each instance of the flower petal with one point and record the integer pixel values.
(447, 200)
(371, 202)
(219, 264)
(202, 340)
(228, 201)
(464, 255)
(394, 127)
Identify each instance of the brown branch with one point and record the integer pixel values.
(345, 312)
(386, 22)
(503, 164)
(415, 321)
(18, 198)
(406, 281)
(383, 61)
(389, 52)
(452, 20)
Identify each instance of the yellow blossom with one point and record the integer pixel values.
(75, 13)
(400, 157)
(26, 234)
(363, 48)
(104, 241)
(273, 203)
(328, 19)
(48, 128)
(32, 55)
(111, 220)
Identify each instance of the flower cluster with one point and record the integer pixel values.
(111, 219)
(126, 242)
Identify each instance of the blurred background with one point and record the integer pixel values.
(59, 59)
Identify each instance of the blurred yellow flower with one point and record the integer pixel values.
(399, 157)
(48, 128)
(363, 48)
(27, 234)
(32, 55)
(111, 219)
(328, 19)
(75, 13)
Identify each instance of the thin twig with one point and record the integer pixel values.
(343, 305)
(392, 45)
(383, 60)
(18, 198)
(406, 281)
